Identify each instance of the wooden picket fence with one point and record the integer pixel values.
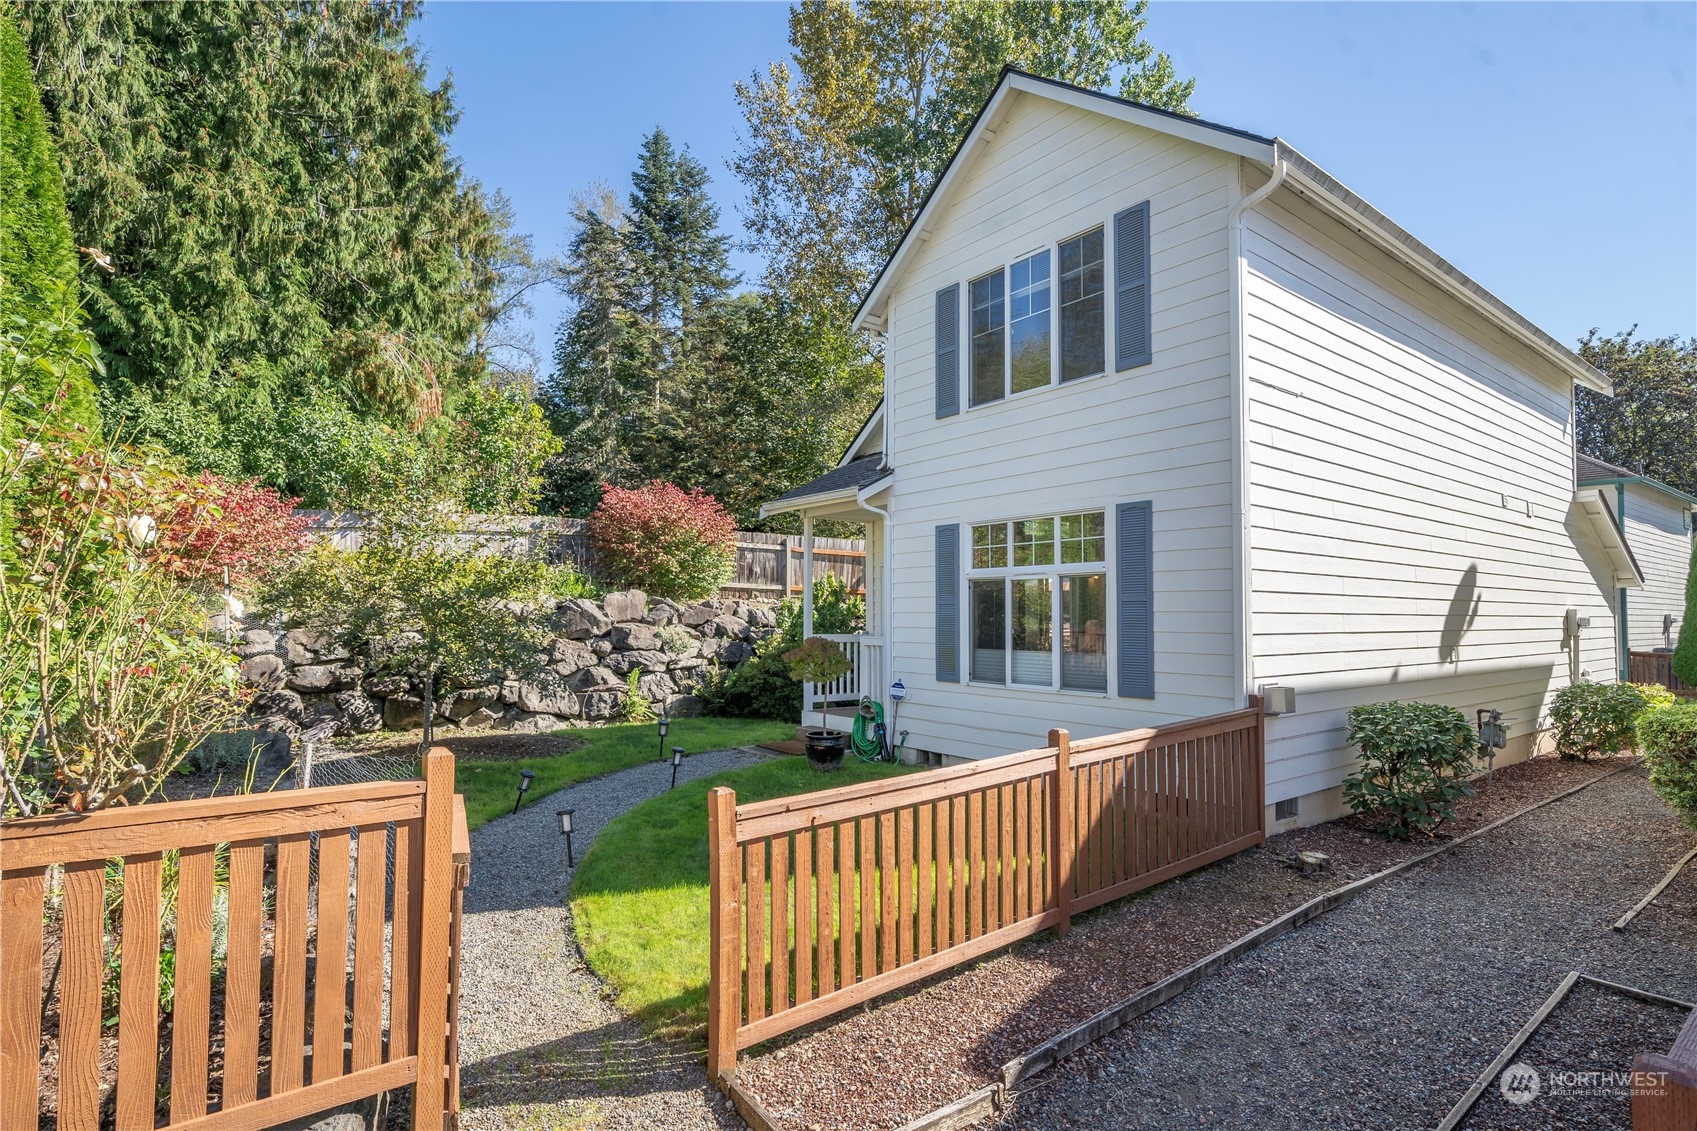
(309, 1019)
(1657, 668)
(822, 901)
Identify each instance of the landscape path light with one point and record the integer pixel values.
(665, 725)
(565, 816)
(677, 760)
(525, 778)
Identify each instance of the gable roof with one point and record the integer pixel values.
(1589, 471)
(1302, 175)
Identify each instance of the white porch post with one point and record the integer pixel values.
(806, 575)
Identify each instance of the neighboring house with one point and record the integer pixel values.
(1169, 416)
(1657, 521)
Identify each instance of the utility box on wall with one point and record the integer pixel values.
(1278, 699)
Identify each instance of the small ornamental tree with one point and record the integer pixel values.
(419, 599)
(1685, 652)
(664, 540)
(818, 661)
(1415, 758)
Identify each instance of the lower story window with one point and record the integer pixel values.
(1040, 631)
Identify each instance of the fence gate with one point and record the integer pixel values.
(258, 960)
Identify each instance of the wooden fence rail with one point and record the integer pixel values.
(1657, 668)
(824, 900)
(288, 996)
(767, 565)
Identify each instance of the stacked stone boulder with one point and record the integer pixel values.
(303, 677)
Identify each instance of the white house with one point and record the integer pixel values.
(1657, 522)
(1170, 415)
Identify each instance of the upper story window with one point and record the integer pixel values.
(1015, 320)
(1081, 306)
(989, 339)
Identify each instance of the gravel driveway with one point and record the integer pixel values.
(540, 1046)
(1381, 1013)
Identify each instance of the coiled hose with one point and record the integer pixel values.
(867, 736)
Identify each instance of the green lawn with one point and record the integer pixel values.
(491, 786)
(639, 899)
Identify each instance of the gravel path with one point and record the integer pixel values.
(915, 1051)
(1381, 1013)
(540, 1046)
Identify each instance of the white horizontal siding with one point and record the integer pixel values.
(1656, 531)
(1397, 447)
(1160, 432)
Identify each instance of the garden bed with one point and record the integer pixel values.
(910, 1053)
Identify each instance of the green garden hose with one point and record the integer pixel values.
(865, 737)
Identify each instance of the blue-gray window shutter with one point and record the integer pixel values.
(1134, 565)
(948, 604)
(948, 351)
(1132, 335)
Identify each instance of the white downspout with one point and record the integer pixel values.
(1243, 631)
(806, 575)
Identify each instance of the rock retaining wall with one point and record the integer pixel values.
(305, 678)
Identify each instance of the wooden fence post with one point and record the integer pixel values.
(724, 1001)
(429, 1105)
(1061, 820)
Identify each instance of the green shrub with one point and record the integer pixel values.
(762, 688)
(1668, 736)
(1597, 718)
(1415, 760)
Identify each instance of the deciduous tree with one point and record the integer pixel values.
(1651, 421)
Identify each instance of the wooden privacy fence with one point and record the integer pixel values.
(822, 901)
(767, 565)
(1657, 668)
(288, 997)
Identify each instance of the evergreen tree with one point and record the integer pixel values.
(1685, 651)
(602, 357)
(39, 290)
(284, 221)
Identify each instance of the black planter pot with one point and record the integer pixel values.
(825, 749)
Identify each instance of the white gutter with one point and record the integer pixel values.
(1243, 576)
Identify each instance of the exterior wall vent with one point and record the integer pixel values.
(1285, 810)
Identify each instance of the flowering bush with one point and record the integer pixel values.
(107, 675)
(664, 540)
(220, 525)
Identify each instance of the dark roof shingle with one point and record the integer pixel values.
(855, 474)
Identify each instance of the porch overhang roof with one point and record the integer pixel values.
(837, 493)
(1595, 504)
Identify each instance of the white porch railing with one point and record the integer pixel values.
(865, 676)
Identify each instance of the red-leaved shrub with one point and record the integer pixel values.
(664, 540)
(218, 524)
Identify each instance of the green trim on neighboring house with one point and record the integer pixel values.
(1620, 484)
(1621, 481)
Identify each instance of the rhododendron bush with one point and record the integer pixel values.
(108, 673)
(664, 540)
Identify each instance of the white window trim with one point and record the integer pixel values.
(1053, 247)
(1053, 572)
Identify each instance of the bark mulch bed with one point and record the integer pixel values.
(1592, 1034)
(913, 1051)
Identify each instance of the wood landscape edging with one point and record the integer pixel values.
(993, 1096)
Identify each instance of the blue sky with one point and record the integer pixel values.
(1548, 150)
